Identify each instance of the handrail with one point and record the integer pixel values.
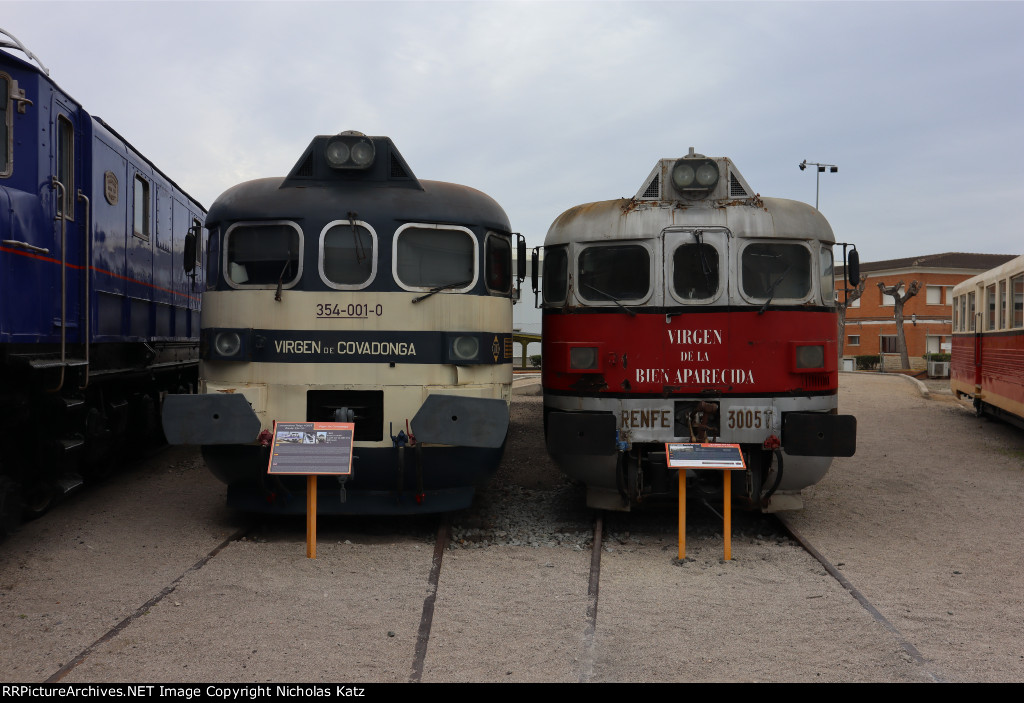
(63, 217)
(87, 272)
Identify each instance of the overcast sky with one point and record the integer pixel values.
(548, 105)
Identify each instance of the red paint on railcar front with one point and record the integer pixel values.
(727, 353)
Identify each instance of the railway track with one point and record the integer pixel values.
(591, 661)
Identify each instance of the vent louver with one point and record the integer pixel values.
(653, 189)
(735, 189)
(307, 167)
(396, 169)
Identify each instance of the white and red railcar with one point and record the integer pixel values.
(988, 341)
(694, 311)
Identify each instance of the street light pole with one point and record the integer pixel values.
(821, 169)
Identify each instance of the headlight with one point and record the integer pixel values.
(227, 343)
(583, 358)
(810, 357)
(465, 348)
(337, 154)
(695, 177)
(349, 150)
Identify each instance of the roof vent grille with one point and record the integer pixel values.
(736, 190)
(396, 169)
(653, 188)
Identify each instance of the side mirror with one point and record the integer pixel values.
(521, 257)
(534, 275)
(853, 268)
(191, 242)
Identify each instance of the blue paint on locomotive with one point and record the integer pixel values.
(139, 290)
(82, 374)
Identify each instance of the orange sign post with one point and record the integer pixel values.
(311, 449)
(720, 457)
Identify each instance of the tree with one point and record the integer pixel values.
(853, 294)
(894, 291)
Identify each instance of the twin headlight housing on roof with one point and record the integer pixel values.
(350, 151)
(695, 177)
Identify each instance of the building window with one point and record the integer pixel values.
(934, 295)
(855, 303)
(890, 300)
(853, 340)
(887, 344)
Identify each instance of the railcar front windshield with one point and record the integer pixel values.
(498, 256)
(828, 276)
(428, 258)
(349, 252)
(555, 280)
(261, 254)
(695, 271)
(776, 270)
(614, 273)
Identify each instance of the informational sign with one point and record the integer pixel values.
(312, 448)
(726, 457)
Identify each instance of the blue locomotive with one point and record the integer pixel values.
(100, 281)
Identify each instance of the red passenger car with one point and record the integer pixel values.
(988, 341)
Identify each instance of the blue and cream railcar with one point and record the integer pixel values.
(99, 285)
(351, 290)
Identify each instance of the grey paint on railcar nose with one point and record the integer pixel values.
(214, 418)
(461, 421)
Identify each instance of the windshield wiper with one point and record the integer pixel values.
(438, 289)
(705, 267)
(632, 313)
(771, 289)
(280, 279)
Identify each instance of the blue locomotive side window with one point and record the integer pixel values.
(498, 257)
(66, 166)
(348, 254)
(614, 273)
(141, 203)
(5, 125)
(776, 270)
(556, 274)
(261, 255)
(695, 271)
(431, 256)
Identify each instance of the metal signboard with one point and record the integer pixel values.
(312, 448)
(682, 455)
